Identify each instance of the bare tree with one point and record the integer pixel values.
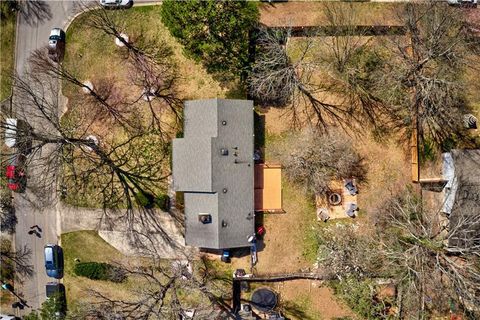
(156, 79)
(315, 160)
(350, 61)
(113, 24)
(101, 95)
(158, 82)
(19, 259)
(277, 79)
(159, 293)
(32, 11)
(304, 74)
(432, 259)
(116, 171)
(8, 219)
(343, 253)
(344, 39)
(423, 79)
(152, 67)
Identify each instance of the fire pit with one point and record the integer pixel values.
(334, 199)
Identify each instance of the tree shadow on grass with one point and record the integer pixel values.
(292, 310)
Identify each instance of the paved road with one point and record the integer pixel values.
(32, 33)
(33, 30)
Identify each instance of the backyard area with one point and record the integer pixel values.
(312, 13)
(291, 240)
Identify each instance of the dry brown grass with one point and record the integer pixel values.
(314, 299)
(93, 55)
(300, 13)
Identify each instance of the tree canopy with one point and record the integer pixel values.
(213, 32)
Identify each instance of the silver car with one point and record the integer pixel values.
(116, 3)
(54, 261)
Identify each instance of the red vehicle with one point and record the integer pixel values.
(16, 176)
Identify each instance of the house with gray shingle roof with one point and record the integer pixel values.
(213, 166)
(461, 168)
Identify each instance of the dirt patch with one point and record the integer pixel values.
(312, 13)
(313, 298)
(388, 171)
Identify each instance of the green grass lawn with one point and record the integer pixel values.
(7, 49)
(89, 246)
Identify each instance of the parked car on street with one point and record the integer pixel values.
(18, 135)
(54, 261)
(112, 4)
(56, 44)
(56, 291)
(54, 288)
(16, 177)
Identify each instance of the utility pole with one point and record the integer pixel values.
(9, 287)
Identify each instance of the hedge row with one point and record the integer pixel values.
(99, 271)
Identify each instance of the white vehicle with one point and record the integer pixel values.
(10, 132)
(463, 3)
(116, 3)
(56, 44)
(17, 135)
(56, 35)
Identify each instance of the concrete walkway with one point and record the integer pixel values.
(148, 231)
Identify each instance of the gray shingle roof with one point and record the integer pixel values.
(220, 185)
(466, 205)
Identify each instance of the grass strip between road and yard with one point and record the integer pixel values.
(7, 51)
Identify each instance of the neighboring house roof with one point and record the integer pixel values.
(464, 196)
(221, 185)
